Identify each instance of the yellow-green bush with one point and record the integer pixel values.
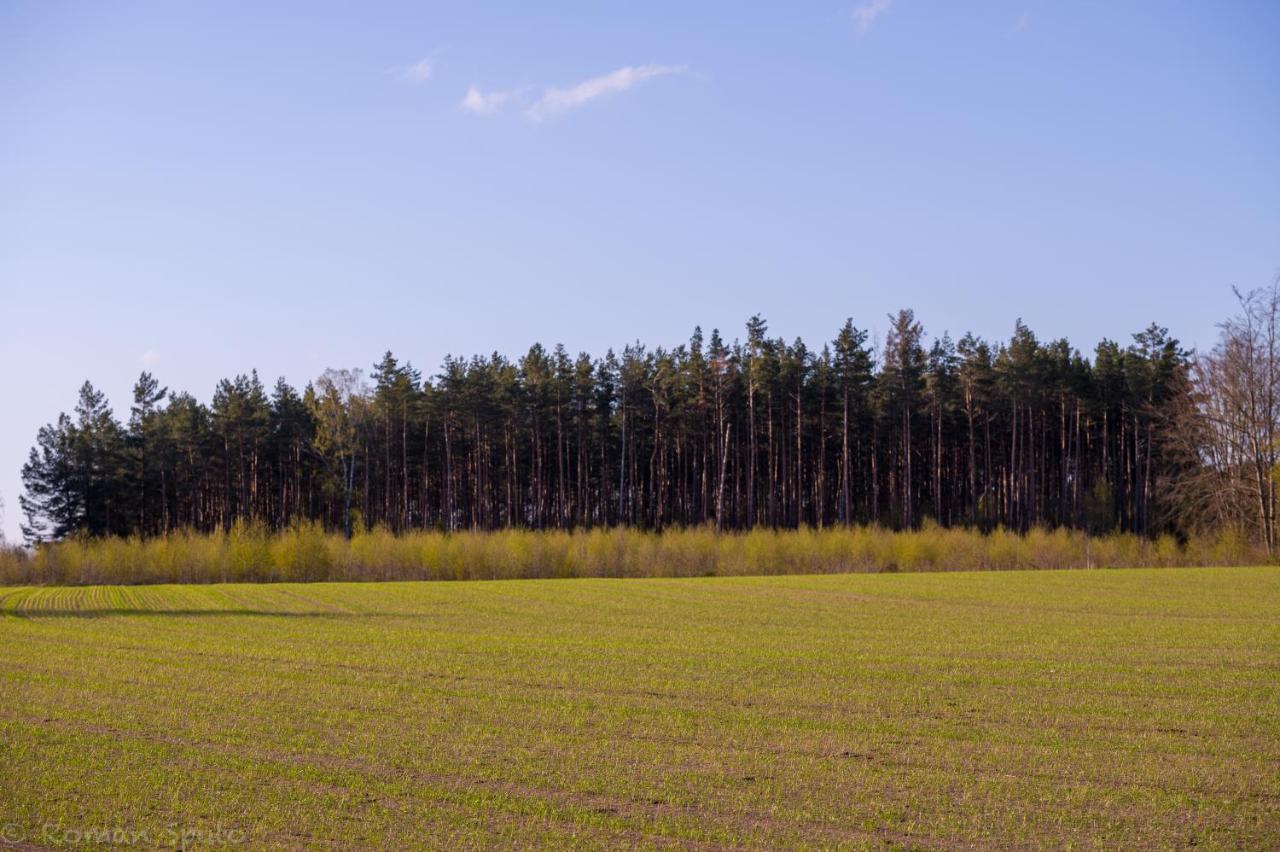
(251, 553)
(16, 566)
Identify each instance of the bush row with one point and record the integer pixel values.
(308, 553)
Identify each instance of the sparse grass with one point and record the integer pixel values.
(1127, 708)
(307, 553)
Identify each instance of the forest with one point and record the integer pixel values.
(756, 432)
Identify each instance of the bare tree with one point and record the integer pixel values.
(1229, 427)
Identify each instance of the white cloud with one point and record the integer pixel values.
(484, 103)
(419, 72)
(1024, 21)
(555, 101)
(865, 14)
(150, 358)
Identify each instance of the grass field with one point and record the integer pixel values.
(1124, 707)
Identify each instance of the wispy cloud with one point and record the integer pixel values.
(556, 101)
(149, 358)
(866, 14)
(485, 103)
(419, 72)
(1024, 21)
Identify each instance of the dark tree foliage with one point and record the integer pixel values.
(755, 433)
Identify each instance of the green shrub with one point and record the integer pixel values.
(306, 552)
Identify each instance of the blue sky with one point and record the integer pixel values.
(200, 189)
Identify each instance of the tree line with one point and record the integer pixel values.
(756, 432)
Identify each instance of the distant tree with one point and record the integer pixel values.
(1224, 432)
(977, 376)
(144, 442)
(854, 362)
(335, 406)
(292, 452)
(752, 365)
(941, 380)
(74, 475)
(902, 384)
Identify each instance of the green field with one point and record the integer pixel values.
(1124, 707)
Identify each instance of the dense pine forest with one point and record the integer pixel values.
(753, 432)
